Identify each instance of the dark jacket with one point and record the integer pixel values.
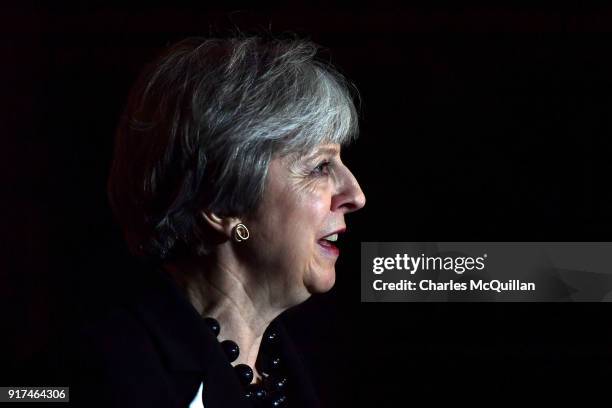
(155, 351)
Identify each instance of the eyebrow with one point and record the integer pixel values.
(322, 150)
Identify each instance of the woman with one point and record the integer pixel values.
(227, 175)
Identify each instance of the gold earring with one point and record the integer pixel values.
(241, 233)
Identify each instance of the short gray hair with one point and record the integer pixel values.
(201, 126)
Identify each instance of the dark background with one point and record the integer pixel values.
(477, 124)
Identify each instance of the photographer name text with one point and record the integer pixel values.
(457, 264)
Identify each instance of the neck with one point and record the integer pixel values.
(226, 292)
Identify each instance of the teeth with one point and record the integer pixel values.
(332, 237)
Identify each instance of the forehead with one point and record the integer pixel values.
(322, 149)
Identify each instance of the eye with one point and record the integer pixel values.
(322, 169)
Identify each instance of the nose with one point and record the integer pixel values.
(349, 197)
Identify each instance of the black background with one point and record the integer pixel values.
(477, 124)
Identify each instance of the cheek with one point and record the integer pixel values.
(310, 223)
(312, 208)
(303, 223)
(293, 222)
(294, 219)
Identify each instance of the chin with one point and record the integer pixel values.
(323, 282)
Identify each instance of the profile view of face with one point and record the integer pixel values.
(292, 232)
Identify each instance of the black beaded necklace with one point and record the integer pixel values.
(272, 391)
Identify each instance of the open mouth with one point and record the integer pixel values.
(329, 240)
(329, 244)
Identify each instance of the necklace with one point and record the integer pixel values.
(271, 392)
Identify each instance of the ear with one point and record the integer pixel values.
(222, 225)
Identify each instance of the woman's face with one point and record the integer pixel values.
(305, 201)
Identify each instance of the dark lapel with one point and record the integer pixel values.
(189, 347)
(185, 342)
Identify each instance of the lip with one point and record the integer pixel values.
(339, 231)
(328, 247)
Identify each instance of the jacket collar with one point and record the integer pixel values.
(187, 345)
(185, 342)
